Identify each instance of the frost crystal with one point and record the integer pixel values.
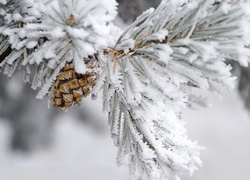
(78, 28)
(61, 32)
(148, 72)
(178, 48)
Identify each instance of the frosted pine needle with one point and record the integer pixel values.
(147, 73)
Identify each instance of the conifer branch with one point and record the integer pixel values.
(161, 57)
(147, 73)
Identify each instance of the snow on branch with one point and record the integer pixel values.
(147, 73)
(79, 24)
(151, 72)
(57, 32)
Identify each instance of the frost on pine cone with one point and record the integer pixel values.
(71, 87)
(147, 77)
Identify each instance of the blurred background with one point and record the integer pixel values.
(37, 143)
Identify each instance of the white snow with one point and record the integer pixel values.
(224, 130)
(79, 153)
(75, 154)
(3, 1)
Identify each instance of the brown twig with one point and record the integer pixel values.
(71, 20)
(235, 2)
(5, 54)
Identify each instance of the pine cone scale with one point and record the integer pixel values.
(73, 84)
(82, 82)
(70, 87)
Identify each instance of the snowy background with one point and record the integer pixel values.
(80, 151)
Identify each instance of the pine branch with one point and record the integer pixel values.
(49, 31)
(150, 75)
(147, 76)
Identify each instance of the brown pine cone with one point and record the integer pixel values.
(70, 87)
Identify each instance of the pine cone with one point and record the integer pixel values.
(70, 87)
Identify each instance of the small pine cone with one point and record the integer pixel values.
(70, 87)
